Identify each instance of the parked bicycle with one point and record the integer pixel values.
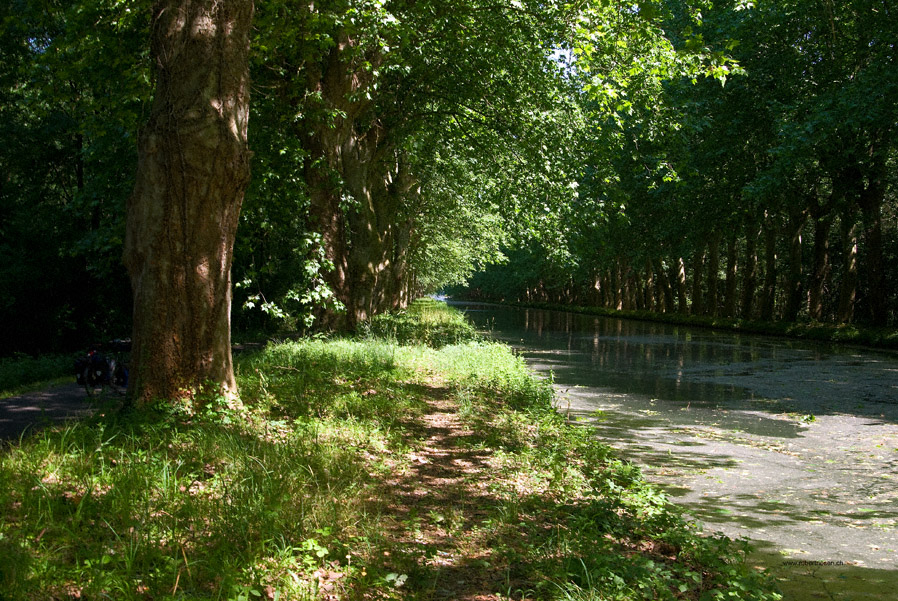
(97, 370)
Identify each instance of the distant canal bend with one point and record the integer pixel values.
(789, 444)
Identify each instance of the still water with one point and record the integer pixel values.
(791, 445)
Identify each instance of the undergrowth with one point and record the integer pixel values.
(425, 321)
(22, 372)
(291, 496)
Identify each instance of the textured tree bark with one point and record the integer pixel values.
(792, 287)
(357, 181)
(193, 169)
(848, 286)
(732, 283)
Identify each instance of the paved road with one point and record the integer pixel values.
(24, 413)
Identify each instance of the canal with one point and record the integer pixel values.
(789, 444)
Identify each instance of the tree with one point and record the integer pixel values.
(73, 84)
(182, 219)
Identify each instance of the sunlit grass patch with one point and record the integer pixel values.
(426, 321)
(573, 521)
(22, 373)
(208, 505)
(297, 492)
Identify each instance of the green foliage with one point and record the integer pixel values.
(426, 321)
(22, 371)
(767, 168)
(279, 496)
(73, 82)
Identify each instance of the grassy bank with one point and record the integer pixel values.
(885, 338)
(24, 372)
(356, 469)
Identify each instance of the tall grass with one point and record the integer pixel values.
(20, 372)
(426, 321)
(293, 497)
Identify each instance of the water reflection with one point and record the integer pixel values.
(793, 445)
(701, 368)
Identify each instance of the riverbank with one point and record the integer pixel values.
(881, 338)
(356, 469)
(789, 444)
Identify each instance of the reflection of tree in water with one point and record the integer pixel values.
(692, 366)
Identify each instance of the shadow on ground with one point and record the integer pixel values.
(27, 412)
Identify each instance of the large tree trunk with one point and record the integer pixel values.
(848, 286)
(193, 169)
(732, 283)
(797, 219)
(358, 181)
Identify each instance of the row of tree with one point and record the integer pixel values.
(323, 162)
(395, 146)
(772, 197)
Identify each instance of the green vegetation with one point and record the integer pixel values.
(770, 198)
(426, 321)
(21, 372)
(354, 468)
(821, 332)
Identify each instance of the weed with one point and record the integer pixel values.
(426, 321)
(290, 494)
(21, 372)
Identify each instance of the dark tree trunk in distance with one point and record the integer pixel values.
(712, 300)
(848, 286)
(678, 274)
(698, 268)
(823, 219)
(749, 272)
(732, 284)
(193, 169)
(768, 292)
(793, 283)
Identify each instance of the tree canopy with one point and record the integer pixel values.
(723, 158)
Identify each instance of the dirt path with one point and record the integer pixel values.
(437, 506)
(33, 410)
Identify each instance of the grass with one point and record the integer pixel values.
(356, 469)
(426, 321)
(21, 373)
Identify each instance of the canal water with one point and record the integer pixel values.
(791, 445)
